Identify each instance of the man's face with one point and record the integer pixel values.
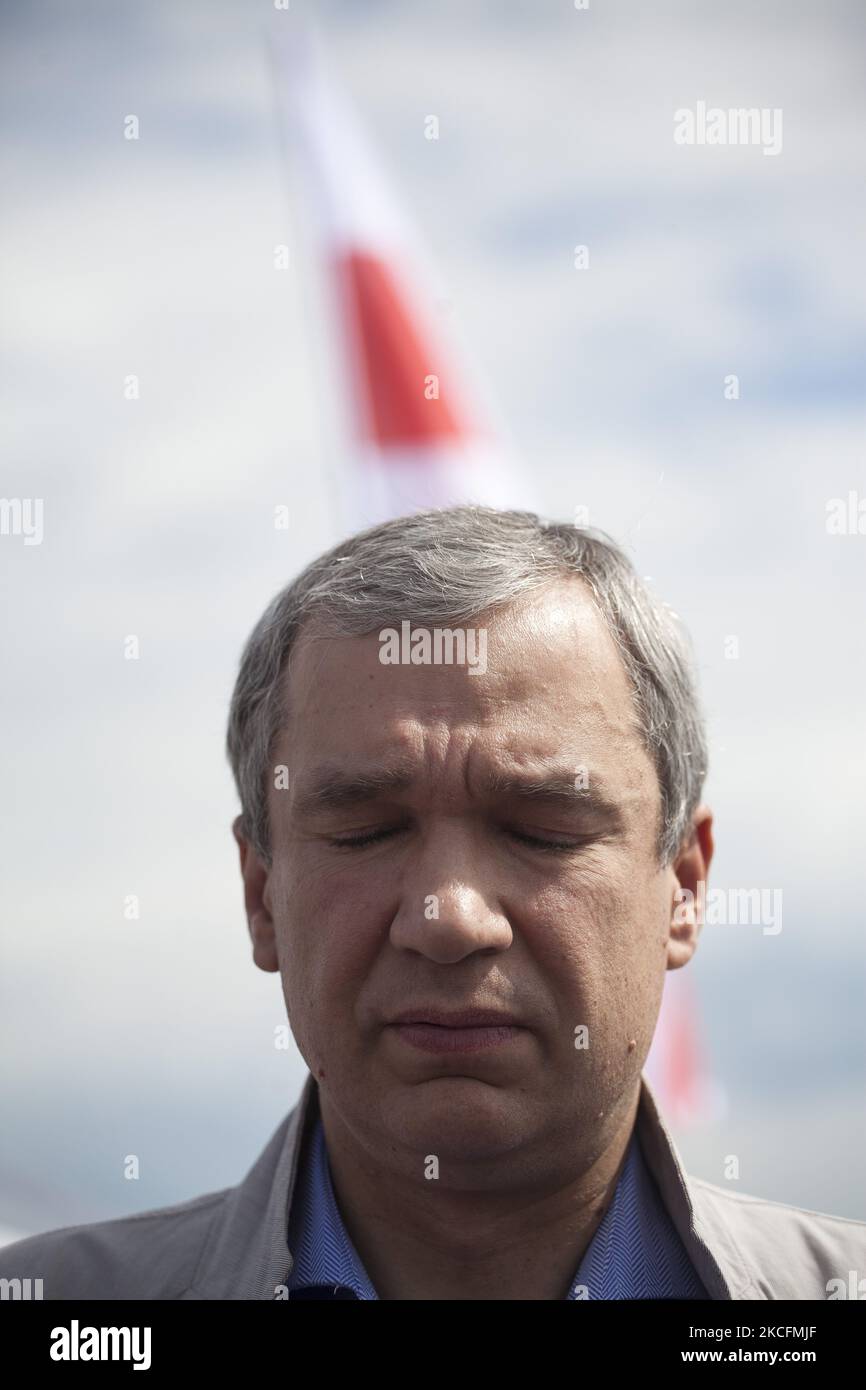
(456, 904)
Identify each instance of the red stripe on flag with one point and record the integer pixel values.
(391, 362)
(683, 1069)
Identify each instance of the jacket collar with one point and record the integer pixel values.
(698, 1223)
(246, 1254)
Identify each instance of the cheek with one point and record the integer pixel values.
(329, 934)
(596, 937)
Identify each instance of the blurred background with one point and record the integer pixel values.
(154, 258)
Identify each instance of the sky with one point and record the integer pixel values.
(155, 257)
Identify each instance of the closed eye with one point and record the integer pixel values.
(544, 846)
(551, 846)
(358, 840)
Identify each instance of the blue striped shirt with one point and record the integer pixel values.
(634, 1253)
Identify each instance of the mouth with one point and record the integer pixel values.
(473, 1030)
(459, 1018)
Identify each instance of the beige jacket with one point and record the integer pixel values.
(232, 1244)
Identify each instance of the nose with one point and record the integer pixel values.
(448, 905)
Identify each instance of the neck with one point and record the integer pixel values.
(522, 1239)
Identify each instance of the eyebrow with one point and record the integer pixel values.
(556, 789)
(334, 789)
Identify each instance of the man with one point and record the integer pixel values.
(470, 760)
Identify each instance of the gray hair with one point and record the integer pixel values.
(444, 567)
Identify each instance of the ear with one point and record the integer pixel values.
(689, 870)
(259, 921)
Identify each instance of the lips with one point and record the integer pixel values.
(438, 1038)
(459, 1018)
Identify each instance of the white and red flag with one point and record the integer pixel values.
(416, 427)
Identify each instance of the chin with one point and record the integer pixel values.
(456, 1117)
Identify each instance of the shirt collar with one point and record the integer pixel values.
(323, 1250)
(636, 1252)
